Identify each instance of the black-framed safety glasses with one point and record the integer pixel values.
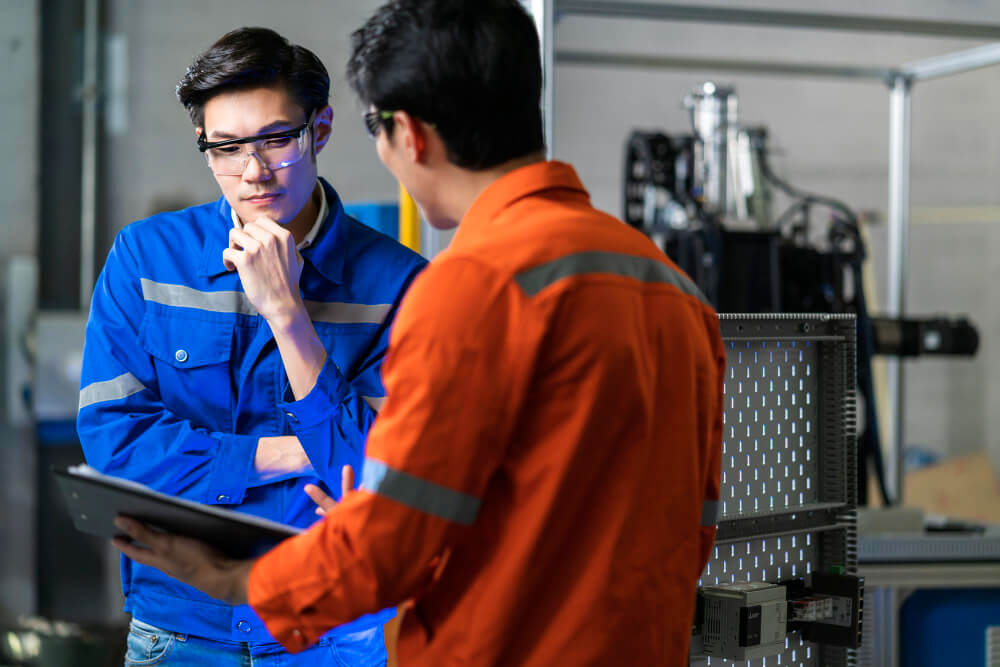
(275, 150)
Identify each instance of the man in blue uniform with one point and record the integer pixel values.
(212, 325)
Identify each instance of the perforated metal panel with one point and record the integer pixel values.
(764, 559)
(770, 428)
(788, 469)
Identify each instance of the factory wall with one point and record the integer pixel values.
(19, 46)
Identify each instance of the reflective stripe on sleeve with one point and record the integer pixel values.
(710, 513)
(643, 269)
(419, 494)
(232, 301)
(116, 389)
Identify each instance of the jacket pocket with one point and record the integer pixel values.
(184, 342)
(192, 361)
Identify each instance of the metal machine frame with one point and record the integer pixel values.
(899, 80)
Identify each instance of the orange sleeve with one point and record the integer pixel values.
(713, 399)
(453, 377)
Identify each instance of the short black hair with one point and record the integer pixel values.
(472, 69)
(252, 58)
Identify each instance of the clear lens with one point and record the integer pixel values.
(273, 153)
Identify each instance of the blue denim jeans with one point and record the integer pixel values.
(148, 645)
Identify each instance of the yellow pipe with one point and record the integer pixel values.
(409, 220)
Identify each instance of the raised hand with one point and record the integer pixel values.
(269, 264)
(325, 503)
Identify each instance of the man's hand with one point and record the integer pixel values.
(186, 560)
(325, 503)
(278, 455)
(269, 264)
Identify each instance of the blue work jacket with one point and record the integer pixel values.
(181, 377)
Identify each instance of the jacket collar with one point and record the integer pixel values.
(523, 182)
(326, 253)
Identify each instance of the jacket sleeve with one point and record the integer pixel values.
(333, 420)
(711, 404)
(124, 427)
(452, 398)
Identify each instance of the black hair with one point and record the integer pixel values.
(472, 69)
(252, 58)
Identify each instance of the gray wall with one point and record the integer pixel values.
(19, 110)
(18, 226)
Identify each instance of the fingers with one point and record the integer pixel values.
(267, 232)
(273, 227)
(322, 500)
(232, 259)
(138, 531)
(240, 239)
(152, 543)
(346, 481)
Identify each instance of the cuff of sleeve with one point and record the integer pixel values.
(232, 469)
(330, 391)
(275, 603)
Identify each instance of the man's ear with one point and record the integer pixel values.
(413, 134)
(322, 127)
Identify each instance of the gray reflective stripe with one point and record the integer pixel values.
(333, 312)
(375, 401)
(347, 313)
(188, 297)
(710, 513)
(643, 269)
(120, 387)
(419, 494)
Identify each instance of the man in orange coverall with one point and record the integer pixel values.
(540, 486)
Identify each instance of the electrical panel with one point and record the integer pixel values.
(788, 494)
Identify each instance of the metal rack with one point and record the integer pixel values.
(899, 80)
(789, 474)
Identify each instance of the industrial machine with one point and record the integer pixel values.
(706, 198)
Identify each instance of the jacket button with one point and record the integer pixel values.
(223, 498)
(181, 356)
(244, 626)
(292, 418)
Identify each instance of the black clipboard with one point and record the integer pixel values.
(94, 500)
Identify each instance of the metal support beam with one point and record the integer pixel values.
(899, 222)
(953, 63)
(544, 13)
(88, 166)
(778, 19)
(566, 57)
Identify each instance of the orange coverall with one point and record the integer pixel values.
(543, 478)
